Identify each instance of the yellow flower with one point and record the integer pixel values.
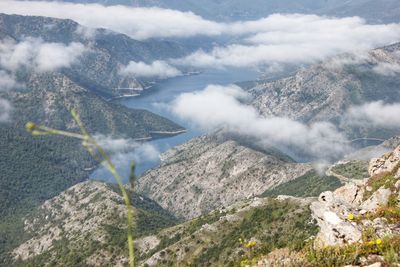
(251, 244)
(30, 126)
(378, 241)
(371, 243)
(350, 216)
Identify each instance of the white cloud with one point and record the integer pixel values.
(88, 33)
(35, 54)
(139, 23)
(223, 107)
(377, 114)
(7, 82)
(288, 39)
(159, 69)
(387, 69)
(278, 38)
(121, 146)
(5, 109)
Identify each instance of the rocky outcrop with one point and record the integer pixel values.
(389, 162)
(207, 173)
(336, 211)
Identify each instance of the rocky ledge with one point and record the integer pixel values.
(362, 212)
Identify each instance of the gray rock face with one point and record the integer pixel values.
(206, 174)
(387, 163)
(335, 211)
(378, 199)
(324, 92)
(331, 214)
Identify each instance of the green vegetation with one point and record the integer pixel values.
(231, 237)
(310, 184)
(385, 180)
(276, 225)
(338, 256)
(354, 169)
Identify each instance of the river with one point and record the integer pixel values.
(155, 99)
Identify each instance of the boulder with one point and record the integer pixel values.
(331, 214)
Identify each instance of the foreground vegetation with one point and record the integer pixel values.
(310, 184)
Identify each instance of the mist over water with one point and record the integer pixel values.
(156, 100)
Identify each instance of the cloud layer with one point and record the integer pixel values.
(139, 23)
(223, 107)
(158, 69)
(378, 114)
(276, 39)
(35, 54)
(296, 39)
(31, 54)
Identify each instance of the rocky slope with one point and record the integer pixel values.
(84, 226)
(84, 222)
(357, 224)
(210, 172)
(325, 91)
(363, 213)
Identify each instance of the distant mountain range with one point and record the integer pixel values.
(325, 91)
(98, 69)
(382, 11)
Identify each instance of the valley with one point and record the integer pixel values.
(246, 134)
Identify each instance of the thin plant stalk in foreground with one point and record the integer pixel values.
(100, 155)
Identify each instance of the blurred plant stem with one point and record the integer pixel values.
(100, 155)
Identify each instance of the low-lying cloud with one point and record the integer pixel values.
(123, 151)
(297, 39)
(31, 54)
(37, 55)
(139, 23)
(116, 146)
(157, 69)
(224, 107)
(378, 114)
(276, 39)
(387, 69)
(5, 109)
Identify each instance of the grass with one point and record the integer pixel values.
(353, 169)
(310, 184)
(385, 180)
(352, 254)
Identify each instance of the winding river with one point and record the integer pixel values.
(155, 100)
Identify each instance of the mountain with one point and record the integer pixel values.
(325, 91)
(92, 220)
(89, 216)
(98, 68)
(356, 224)
(34, 169)
(213, 171)
(384, 11)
